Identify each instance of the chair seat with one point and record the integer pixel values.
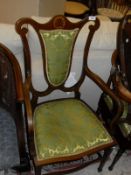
(111, 13)
(9, 155)
(66, 128)
(75, 8)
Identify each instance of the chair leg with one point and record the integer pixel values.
(106, 154)
(37, 170)
(116, 158)
(24, 164)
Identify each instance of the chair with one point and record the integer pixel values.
(120, 80)
(13, 152)
(129, 3)
(114, 9)
(62, 129)
(79, 8)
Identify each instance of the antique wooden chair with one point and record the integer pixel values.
(79, 8)
(62, 129)
(12, 140)
(120, 80)
(114, 9)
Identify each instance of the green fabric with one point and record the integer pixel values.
(67, 127)
(109, 102)
(58, 46)
(125, 127)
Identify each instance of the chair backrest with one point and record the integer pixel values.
(57, 39)
(80, 8)
(11, 101)
(118, 5)
(10, 81)
(124, 48)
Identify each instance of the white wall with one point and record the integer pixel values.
(51, 7)
(11, 10)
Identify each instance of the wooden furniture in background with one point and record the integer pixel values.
(120, 81)
(63, 129)
(13, 153)
(79, 8)
(114, 9)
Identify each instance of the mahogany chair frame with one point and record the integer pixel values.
(58, 22)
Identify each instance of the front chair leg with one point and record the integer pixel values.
(116, 158)
(105, 156)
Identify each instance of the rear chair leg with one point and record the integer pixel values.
(116, 158)
(106, 154)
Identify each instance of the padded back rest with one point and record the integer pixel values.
(58, 45)
(124, 47)
(57, 39)
(80, 8)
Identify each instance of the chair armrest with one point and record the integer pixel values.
(122, 91)
(114, 58)
(99, 82)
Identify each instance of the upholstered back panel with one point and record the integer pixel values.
(58, 51)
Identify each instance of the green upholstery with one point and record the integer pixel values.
(125, 127)
(66, 127)
(58, 55)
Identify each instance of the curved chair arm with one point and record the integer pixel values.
(122, 90)
(114, 58)
(108, 91)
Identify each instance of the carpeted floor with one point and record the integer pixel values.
(123, 167)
